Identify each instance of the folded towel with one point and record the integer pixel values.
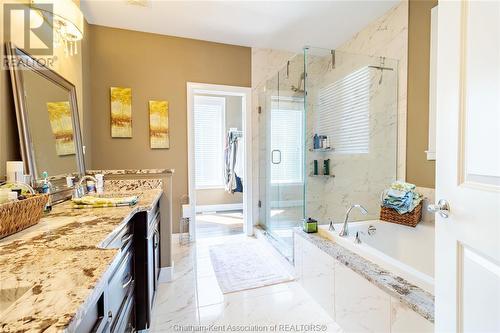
(401, 197)
(89, 201)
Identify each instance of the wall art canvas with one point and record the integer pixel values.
(62, 127)
(158, 125)
(121, 112)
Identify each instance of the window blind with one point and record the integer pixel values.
(286, 136)
(344, 113)
(209, 114)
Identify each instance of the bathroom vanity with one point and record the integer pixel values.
(83, 270)
(91, 269)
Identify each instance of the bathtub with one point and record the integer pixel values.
(407, 252)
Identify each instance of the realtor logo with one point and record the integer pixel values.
(28, 29)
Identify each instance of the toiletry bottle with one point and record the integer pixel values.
(70, 181)
(315, 171)
(46, 187)
(326, 167)
(90, 186)
(315, 141)
(100, 183)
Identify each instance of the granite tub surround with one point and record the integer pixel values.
(61, 263)
(399, 290)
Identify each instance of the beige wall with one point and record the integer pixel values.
(219, 196)
(155, 67)
(70, 67)
(419, 170)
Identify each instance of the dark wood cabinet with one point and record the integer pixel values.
(125, 298)
(147, 238)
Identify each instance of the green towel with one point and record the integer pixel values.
(89, 201)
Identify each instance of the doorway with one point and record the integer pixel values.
(219, 163)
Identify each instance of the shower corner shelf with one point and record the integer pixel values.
(322, 150)
(323, 176)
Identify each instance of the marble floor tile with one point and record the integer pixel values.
(194, 297)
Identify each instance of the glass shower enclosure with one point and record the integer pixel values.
(281, 154)
(351, 101)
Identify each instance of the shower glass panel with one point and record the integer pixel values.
(352, 101)
(282, 124)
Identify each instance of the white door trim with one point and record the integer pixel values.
(246, 94)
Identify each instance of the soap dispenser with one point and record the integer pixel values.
(46, 189)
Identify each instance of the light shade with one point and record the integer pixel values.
(67, 18)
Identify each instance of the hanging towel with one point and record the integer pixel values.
(230, 159)
(239, 185)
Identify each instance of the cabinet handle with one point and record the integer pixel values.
(126, 238)
(157, 236)
(110, 315)
(129, 280)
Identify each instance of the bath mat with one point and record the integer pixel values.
(246, 265)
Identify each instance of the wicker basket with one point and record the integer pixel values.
(18, 215)
(410, 219)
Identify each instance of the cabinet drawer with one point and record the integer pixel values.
(125, 320)
(153, 212)
(122, 238)
(119, 285)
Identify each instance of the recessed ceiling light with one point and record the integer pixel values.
(142, 3)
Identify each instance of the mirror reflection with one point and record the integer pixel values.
(49, 117)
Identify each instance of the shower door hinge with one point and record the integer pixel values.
(259, 109)
(259, 204)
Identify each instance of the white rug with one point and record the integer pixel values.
(246, 265)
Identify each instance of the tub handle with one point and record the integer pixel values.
(331, 227)
(357, 240)
(371, 230)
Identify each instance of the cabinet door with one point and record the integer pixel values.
(150, 270)
(156, 249)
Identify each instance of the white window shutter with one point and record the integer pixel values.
(209, 118)
(344, 113)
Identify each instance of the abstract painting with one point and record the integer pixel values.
(121, 112)
(158, 124)
(62, 127)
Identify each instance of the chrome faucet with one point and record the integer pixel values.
(345, 230)
(79, 191)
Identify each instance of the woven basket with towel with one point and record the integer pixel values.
(401, 204)
(18, 215)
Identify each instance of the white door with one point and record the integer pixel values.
(468, 167)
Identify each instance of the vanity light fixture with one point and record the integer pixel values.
(67, 23)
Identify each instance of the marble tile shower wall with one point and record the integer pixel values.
(359, 178)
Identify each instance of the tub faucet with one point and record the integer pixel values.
(345, 230)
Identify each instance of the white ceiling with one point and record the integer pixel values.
(286, 25)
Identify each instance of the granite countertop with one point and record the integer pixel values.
(61, 260)
(414, 297)
(131, 171)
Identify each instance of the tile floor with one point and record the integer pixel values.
(219, 224)
(193, 297)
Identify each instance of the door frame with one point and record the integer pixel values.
(245, 93)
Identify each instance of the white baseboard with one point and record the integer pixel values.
(166, 274)
(211, 208)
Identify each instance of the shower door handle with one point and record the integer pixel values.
(273, 153)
